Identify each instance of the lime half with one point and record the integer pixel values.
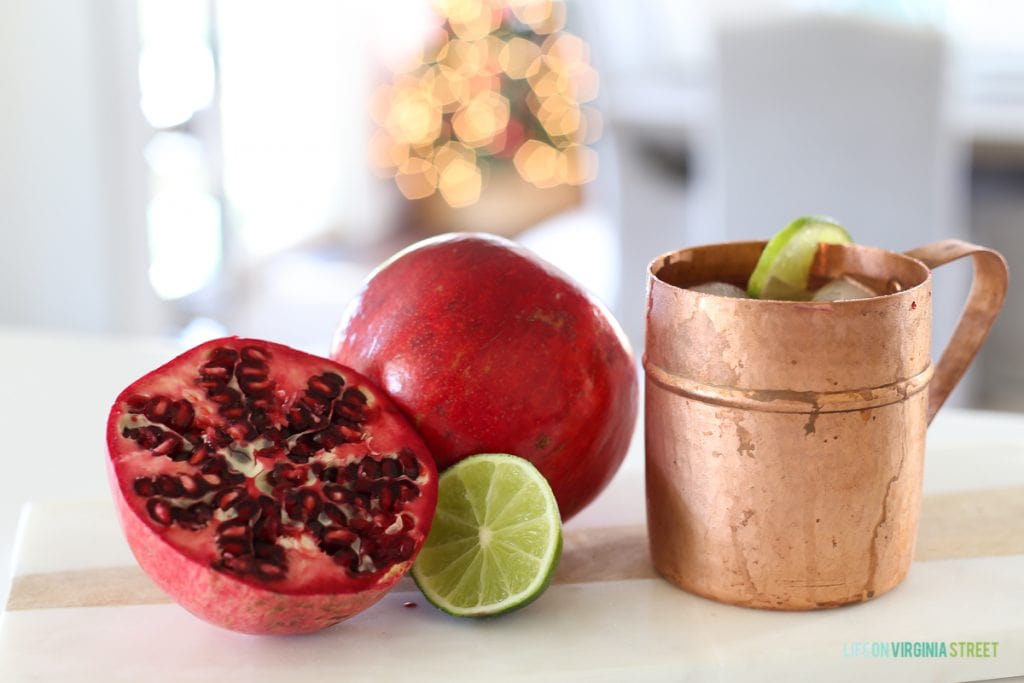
(785, 263)
(496, 537)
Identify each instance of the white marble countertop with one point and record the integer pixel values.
(59, 389)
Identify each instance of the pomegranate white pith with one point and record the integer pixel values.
(268, 490)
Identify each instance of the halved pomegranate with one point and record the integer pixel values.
(265, 489)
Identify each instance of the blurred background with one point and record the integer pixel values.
(190, 168)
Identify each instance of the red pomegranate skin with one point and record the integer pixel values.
(489, 349)
(311, 591)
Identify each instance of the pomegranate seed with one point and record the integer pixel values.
(325, 387)
(202, 512)
(269, 551)
(270, 570)
(199, 455)
(404, 549)
(259, 418)
(226, 396)
(255, 354)
(272, 434)
(190, 485)
(385, 495)
(216, 464)
(292, 507)
(334, 513)
(143, 486)
(146, 437)
(376, 530)
(233, 548)
(354, 398)
(260, 387)
(136, 403)
(180, 455)
(238, 564)
(410, 467)
(211, 384)
(390, 468)
(157, 408)
(241, 430)
(252, 369)
(160, 510)
(269, 508)
(215, 371)
(268, 526)
(334, 436)
(181, 416)
(212, 480)
(359, 524)
(170, 445)
(310, 504)
(346, 558)
(283, 470)
(227, 498)
(270, 452)
(217, 437)
(407, 491)
(339, 537)
(222, 354)
(234, 528)
(303, 449)
(334, 492)
(300, 419)
(343, 421)
(246, 509)
(169, 486)
(369, 469)
(317, 406)
(185, 518)
(363, 485)
(233, 412)
(368, 547)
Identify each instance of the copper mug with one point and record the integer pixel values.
(785, 440)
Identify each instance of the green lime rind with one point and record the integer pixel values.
(785, 263)
(495, 541)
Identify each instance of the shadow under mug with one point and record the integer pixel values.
(785, 440)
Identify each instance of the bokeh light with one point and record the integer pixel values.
(416, 178)
(499, 83)
(481, 119)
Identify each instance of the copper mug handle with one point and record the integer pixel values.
(988, 291)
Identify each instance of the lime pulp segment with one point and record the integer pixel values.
(496, 537)
(785, 263)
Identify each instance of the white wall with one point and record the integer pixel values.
(72, 176)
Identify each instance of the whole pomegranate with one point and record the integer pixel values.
(489, 349)
(265, 489)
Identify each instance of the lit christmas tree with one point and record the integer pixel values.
(502, 83)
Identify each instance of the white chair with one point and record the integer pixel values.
(847, 117)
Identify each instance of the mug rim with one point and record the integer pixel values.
(660, 262)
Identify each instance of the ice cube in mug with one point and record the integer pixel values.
(720, 289)
(843, 289)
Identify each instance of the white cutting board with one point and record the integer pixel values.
(605, 618)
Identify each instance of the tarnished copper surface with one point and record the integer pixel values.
(785, 440)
